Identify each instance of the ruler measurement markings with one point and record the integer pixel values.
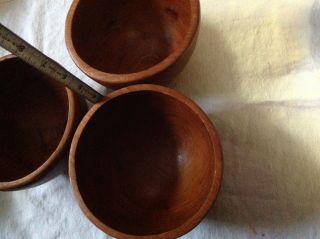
(37, 59)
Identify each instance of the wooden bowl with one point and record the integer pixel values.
(119, 43)
(37, 120)
(145, 163)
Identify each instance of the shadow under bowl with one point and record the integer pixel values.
(123, 42)
(37, 120)
(146, 162)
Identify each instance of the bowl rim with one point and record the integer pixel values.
(118, 80)
(218, 163)
(53, 159)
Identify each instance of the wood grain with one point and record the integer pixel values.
(37, 120)
(119, 43)
(146, 162)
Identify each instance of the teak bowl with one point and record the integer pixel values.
(145, 162)
(124, 42)
(37, 120)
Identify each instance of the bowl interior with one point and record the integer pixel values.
(33, 116)
(127, 36)
(144, 163)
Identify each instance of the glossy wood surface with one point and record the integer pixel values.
(122, 42)
(145, 163)
(37, 119)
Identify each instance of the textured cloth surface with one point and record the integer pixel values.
(255, 71)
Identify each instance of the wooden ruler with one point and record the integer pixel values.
(19, 47)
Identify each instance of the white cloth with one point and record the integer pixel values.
(255, 71)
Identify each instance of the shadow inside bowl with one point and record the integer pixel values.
(123, 37)
(140, 161)
(33, 118)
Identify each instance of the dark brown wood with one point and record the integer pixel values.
(119, 43)
(37, 120)
(146, 162)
